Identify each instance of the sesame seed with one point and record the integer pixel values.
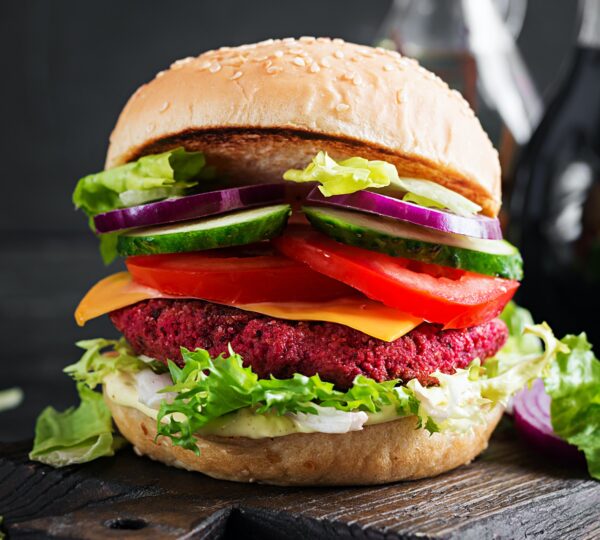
(338, 41)
(326, 61)
(274, 69)
(164, 107)
(400, 96)
(278, 54)
(235, 61)
(297, 51)
(348, 76)
(160, 74)
(307, 39)
(338, 54)
(388, 67)
(355, 59)
(288, 40)
(260, 58)
(357, 81)
(224, 49)
(182, 62)
(205, 65)
(323, 40)
(342, 107)
(215, 67)
(236, 75)
(266, 42)
(299, 61)
(314, 68)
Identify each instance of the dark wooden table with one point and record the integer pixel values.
(509, 492)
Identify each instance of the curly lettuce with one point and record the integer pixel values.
(94, 366)
(208, 388)
(356, 173)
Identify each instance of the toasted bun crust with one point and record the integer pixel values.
(257, 110)
(378, 454)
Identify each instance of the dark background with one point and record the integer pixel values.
(67, 68)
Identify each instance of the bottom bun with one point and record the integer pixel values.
(377, 454)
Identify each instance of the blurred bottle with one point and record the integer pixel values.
(471, 45)
(556, 204)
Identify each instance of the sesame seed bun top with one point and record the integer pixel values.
(259, 109)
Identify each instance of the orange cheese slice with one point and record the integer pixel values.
(360, 313)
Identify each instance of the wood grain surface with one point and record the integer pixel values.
(509, 492)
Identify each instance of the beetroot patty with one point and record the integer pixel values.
(157, 328)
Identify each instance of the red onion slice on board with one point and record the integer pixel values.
(531, 411)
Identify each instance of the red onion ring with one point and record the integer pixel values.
(189, 207)
(382, 205)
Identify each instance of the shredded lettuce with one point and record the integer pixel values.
(356, 173)
(573, 383)
(76, 435)
(465, 398)
(150, 178)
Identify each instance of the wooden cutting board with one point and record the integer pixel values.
(509, 492)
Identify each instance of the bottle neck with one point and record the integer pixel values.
(589, 32)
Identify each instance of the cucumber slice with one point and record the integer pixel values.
(400, 239)
(232, 229)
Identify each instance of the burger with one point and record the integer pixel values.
(316, 288)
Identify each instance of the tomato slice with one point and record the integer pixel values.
(238, 275)
(454, 298)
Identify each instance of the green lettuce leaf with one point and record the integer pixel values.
(573, 383)
(76, 435)
(150, 178)
(108, 246)
(210, 388)
(170, 172)
(94, 366)
(355, 174)
(345, 177)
